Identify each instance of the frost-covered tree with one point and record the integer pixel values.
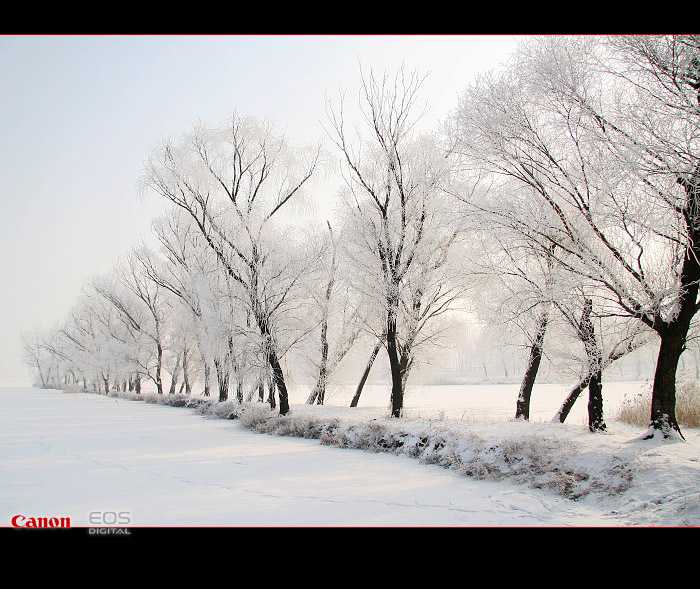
(515, 282)
(38, 356)
(336, 314)
(604, 135)
(605, 340)
(143, 308)
(398, 235)
(235, 181)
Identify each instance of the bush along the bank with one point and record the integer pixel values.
(534, 460)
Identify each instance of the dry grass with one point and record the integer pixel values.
(637, 410)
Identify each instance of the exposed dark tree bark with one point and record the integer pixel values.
(594, 368)
(522, 407)
(365, 373)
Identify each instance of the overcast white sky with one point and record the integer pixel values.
(80, 115)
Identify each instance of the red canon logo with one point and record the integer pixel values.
(19, 521)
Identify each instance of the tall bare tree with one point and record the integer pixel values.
(399, 240)
(604, 135)
(234, 181)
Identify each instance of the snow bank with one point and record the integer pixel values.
(539, 455)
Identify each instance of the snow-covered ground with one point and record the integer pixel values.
(73, 455)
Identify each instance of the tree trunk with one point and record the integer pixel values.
(186, 371)
(319, 392)
(278, 378)
(175, 377)
(222, 377)
(522, 409)
(394, 365)
(271, 394)
(663, 398)
(595, 403)
(571, 398)
(674, 330)
(595, 369)
(159, 368)
(594, 415)
(314, 395)
(207, 378)
(273, 361)
(365, 374)
(233, 362)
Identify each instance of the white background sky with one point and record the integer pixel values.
(80, 115)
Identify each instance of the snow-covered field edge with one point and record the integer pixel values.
(642, 482)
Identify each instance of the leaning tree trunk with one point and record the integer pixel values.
(278, 379)
(522, 408)
(571, 398)
(365, 374)
(581, 385)
(273, 361)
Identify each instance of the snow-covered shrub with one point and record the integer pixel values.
(256, 415)
(151, 397)
(302, 426)
(73, 388)
(125, 395)
(636, 410)
(223, 409)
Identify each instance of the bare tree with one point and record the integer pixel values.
(398, 239)
(35, 355)
(233, 181)
(337, 313)
(604, 135)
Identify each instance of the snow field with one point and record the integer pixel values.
(70, 454)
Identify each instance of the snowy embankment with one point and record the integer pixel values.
(642, 479)
(497, 471)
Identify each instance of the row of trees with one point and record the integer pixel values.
(560, 199)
